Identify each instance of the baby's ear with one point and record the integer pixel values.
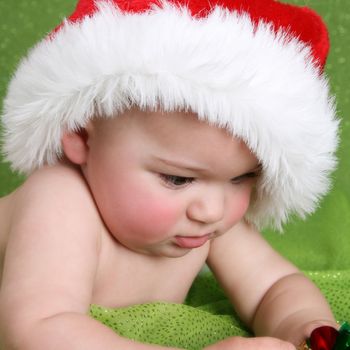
(75, 146)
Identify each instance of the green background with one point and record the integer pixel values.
(321, 242)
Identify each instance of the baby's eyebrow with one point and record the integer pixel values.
(182, 165)
(202, 169)
(256, 169)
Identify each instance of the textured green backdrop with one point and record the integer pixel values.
(320, 243)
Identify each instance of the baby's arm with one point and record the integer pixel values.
(268, 292)
(49, 270)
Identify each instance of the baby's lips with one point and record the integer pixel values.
(191, 242)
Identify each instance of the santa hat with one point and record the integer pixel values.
(254, 67)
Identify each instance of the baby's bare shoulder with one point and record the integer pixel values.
(52, 249)
(58, 192)
(59, 184)
(59, 179)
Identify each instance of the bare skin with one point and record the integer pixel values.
(74, 220)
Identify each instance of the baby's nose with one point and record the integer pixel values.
(208, 206)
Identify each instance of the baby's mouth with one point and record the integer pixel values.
(191, 242)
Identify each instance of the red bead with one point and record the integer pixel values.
(323, 338)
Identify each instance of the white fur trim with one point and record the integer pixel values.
(261, 86)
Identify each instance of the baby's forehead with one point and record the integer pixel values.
(179, 135)
(171, 143)
(167, 124)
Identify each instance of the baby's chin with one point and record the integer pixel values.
(162, 250)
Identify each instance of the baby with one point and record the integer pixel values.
(159, 137)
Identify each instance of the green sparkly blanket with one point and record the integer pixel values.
(320, 246)
(207, 316)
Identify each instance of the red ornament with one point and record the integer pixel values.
(323, 338)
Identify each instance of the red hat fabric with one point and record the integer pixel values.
(300, 22)
(254, 67)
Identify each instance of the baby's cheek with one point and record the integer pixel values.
(238, 207)
(150, 214)
(156, 217)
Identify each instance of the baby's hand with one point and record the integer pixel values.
(259, 343)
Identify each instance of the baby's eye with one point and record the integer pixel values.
(176, 181)
(241, 178)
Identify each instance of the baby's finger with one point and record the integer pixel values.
(266, 343)
(258, 343)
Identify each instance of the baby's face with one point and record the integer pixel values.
(160, 181)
